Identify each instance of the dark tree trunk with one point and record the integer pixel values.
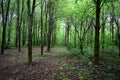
(49, 37)
(81, 46)
(119, 43)
(97, 28)
(30, 24)
(67, 35)
(34, 33)
(46, 24)
(75, 37)
(51, 23)
(118, 34)
(4, 24)
(41, 27)
(18, 23)
(16, 38)
(112, 23)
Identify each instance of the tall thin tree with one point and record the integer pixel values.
(41, 27)
(30, 24)
(4, 23)
(97, 29)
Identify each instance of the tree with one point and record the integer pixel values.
(97, 29)
(118, 34)
(4, 23)
(50, 22)
(30, 24)
(42, 27)
(18, 23)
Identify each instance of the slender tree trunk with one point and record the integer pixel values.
(51, 23)
(46, 24)
(103, 37)
(4, 24)
(41, 27)
(118, 37)
(30, 24)
(97, 28)
(54, 35)
(49, 37)
(118, 34)
(81, 46)
(119, 43)
(16, 38)
(103, 29)
(18, 23)
(65, 32)
(24, 33)
(75, 37)
(33, 34)
(9, 31)
(68, 34)
(38, 34)
(112, 23)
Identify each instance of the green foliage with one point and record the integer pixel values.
(75, 50)
(85, 74)
(86, 56)
(12, 58)
(15, 71)
(10, 78)
(111, 76)
(65, 79)
(31, 73)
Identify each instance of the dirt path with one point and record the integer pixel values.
(59, 64)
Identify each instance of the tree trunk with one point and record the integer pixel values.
(4, 24)
(41, 27)
(30, 24)
(81, 46)
(9, 31)
(118, 34)
(30, 40)
(112, 23)
(68, 34)
(75, 36)
(97, 27)
(18, 23)
(24, 33)
(51, 23)
(119, 43)
(46, 24)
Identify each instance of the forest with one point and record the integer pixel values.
(59, 39)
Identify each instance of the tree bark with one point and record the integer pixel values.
(4, 24)
(75, 36)
(51, 23)
(30, 24)
(24, 35)
(112, 23)
(9, 31)
(41, 27)
(18, 24)
(97, 28)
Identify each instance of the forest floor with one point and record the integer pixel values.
(58, 64)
